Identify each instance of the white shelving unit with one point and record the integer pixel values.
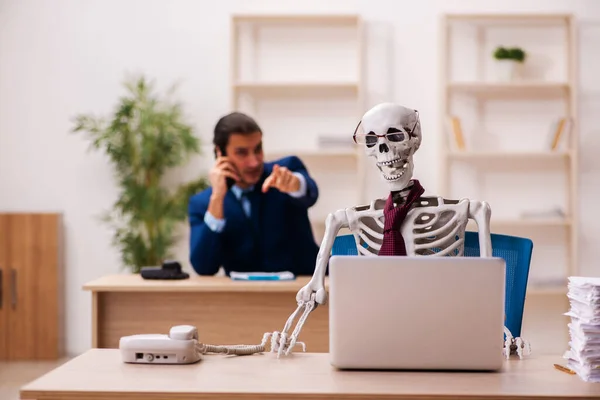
(300, 76)
(507, 159)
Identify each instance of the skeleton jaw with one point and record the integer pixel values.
(397, 170)
(393, 170)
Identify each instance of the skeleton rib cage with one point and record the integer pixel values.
(435, 226)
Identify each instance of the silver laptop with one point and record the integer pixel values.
(416, 313)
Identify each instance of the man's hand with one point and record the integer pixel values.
(218, 174)
(217, 177)
(281, 179)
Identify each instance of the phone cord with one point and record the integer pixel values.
(240, 349)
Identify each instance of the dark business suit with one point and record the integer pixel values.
(276, 237)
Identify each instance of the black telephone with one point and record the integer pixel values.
(168, 270)
(229, 181)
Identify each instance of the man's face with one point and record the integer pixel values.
(246, 154)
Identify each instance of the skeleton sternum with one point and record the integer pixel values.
(434, 226)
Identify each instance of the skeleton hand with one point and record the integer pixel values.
(281, 342)
(308, 298)
(517, 345)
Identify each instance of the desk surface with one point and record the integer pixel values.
(100, 374)
(135, 283)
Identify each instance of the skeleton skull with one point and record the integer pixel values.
(391, 134)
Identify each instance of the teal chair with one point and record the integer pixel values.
(516, 251)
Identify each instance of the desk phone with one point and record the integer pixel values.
(180, 346)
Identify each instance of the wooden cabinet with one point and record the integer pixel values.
(31, 289)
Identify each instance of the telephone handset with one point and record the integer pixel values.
(229, 181)
(180, 346)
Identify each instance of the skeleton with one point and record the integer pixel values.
(434, 226)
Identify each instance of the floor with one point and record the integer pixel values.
(13, 375)
(544, 326)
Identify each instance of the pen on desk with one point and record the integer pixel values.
(264, 278)
(564, 369)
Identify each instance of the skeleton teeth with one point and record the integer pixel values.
(392, 162)
(393, 177)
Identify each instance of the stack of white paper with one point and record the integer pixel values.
(584, 328)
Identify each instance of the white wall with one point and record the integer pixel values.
(62, 57)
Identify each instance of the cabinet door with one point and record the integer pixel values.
(33, 316)
(4, 294)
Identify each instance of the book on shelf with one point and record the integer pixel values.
(559, 133)
(455, 128)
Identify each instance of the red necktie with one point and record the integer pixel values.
(393, 242)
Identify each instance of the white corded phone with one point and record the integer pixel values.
(180, 346)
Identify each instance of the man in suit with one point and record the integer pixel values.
(258, 221)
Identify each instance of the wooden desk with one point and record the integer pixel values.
(224, 311)
(100, 374)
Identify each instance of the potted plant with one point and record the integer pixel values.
(144, 138)
(509, 62)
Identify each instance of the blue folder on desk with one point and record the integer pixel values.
(262, 276)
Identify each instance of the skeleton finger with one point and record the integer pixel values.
(276, 337)
(507, 342)
(519, 343)
(266, 338)
(282, 344)
(292, 317)
(309, 307)
(275, 341)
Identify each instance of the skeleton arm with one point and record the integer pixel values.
(334, 222)
(481, 212)
(313, 293)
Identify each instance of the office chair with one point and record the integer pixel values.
(516, 252)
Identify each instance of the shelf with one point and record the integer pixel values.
(333, 19)
(285, 73)
(510, 88)
(487, 155)
(531, 222)
(548, 290)
(298, 87)
(511, 19)
(312, 153)
(504, 223)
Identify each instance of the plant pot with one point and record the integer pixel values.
(508, 70)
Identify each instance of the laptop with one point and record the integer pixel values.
(416, 313)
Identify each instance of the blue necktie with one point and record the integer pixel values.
(245, 200)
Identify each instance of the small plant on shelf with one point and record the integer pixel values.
(510, 61)
(516, 54)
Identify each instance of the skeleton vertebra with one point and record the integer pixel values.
(433, 227)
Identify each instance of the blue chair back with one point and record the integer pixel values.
(344, 245)
(516, 252)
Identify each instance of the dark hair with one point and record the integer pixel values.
(235, 122)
